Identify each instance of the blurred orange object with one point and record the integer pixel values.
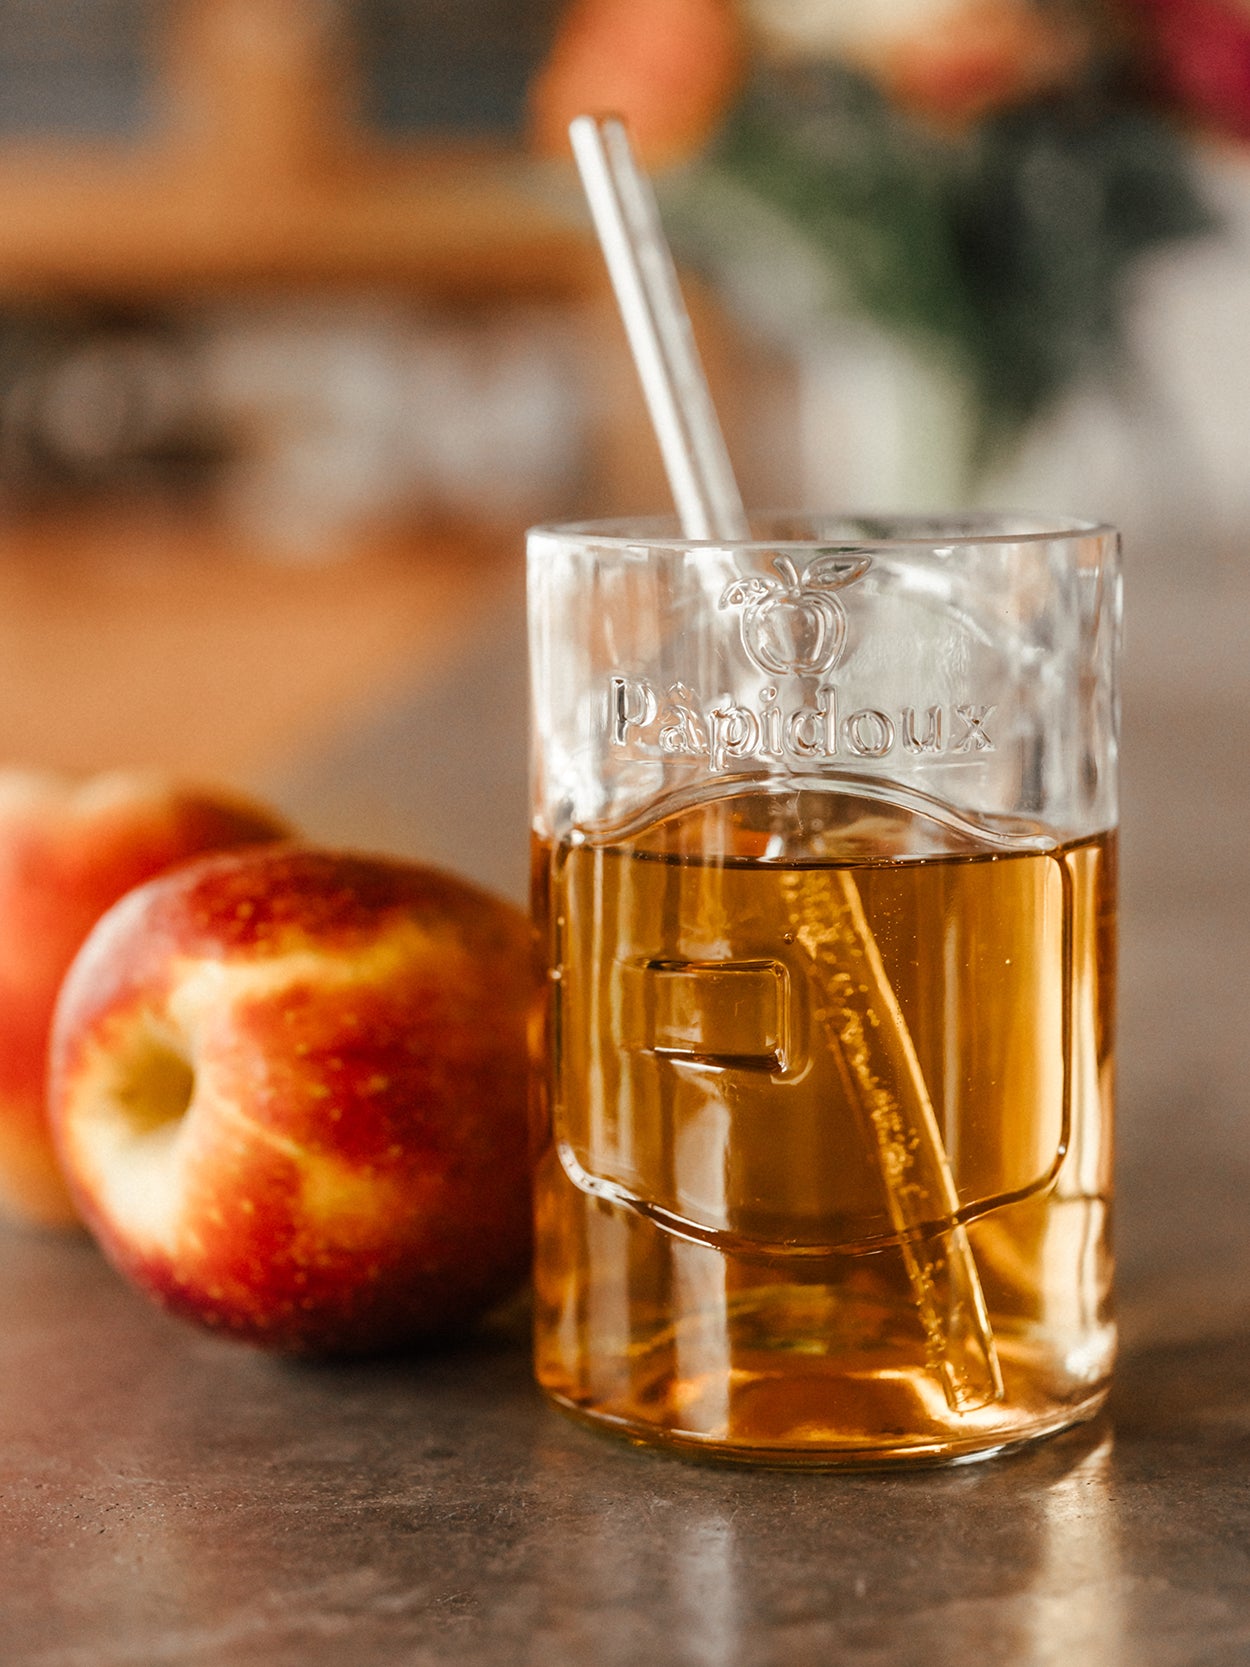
(670, 67)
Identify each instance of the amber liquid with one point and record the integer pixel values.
(824, 1137)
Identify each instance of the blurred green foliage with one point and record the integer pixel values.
(1009, 248)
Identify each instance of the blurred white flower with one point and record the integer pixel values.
(950, 60)
(844, 28)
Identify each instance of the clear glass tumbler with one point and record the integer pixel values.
(824, 883)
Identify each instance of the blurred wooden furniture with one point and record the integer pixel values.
(141, 640)
(133, 634)
(257, 173)
(140, 634)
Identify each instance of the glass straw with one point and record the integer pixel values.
(856, 1006)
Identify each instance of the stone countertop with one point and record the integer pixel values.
(171, 1500)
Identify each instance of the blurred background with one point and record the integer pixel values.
(300, 325)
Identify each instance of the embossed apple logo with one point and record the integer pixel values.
(793, 624)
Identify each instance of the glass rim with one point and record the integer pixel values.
(848, 530)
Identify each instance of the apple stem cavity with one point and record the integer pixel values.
(155, 1085)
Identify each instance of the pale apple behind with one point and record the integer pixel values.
(68, 850)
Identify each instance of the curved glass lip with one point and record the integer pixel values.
(846, 530)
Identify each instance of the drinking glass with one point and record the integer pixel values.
(824, 888)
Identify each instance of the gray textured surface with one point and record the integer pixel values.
(166, 1498)
(170, 1498)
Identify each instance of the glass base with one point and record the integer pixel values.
(862, 1454)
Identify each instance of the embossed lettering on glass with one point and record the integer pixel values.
(824, 881)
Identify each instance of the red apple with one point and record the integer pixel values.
(68, 850)
(288, 1090)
